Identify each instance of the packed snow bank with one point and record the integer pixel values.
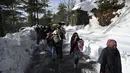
(16, 50)
(119, 30)
(127, 2)
(87, 5)
(121, 33)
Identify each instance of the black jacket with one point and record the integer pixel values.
(110, 61)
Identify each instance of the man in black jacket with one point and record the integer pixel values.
(110, 59)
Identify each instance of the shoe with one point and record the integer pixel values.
(71, 53)
(76, 66)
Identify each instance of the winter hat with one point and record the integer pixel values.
(54, 25)
(111, 43)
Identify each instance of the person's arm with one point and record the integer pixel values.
(102, 61)
(119, 66)
(71, 41)
(102, 68)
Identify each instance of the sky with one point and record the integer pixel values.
(54, 4)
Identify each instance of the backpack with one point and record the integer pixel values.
(79, 49)
(80, 45)
(56, 36)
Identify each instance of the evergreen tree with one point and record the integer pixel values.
(61, 15)
(1, 26)
(33, 8)
(9, 16)
(106, 9)
(47, 18)
(12, 17)
(69, 5)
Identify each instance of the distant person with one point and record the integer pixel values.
(48, 29)
(43, 32)
(73, 42)
(51, 44)
(110, 59)
(58, 42)
(62, 30)
(62, 33)
(78, 52)
(38, 31)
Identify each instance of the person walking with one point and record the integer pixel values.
(110, 59)
(73, 42)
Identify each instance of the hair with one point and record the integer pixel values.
(74, 34)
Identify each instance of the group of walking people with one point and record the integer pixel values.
(54, 35)
(109, 58)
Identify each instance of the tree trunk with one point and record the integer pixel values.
(13, 16)
(35, 20)
(1, 26)
(37, 12)
(30, 18)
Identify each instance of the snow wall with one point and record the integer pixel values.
(16, 50)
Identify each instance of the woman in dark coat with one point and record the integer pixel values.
(110, 59)
(73, 42)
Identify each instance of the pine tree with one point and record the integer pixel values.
(9, 16)
(69, 5)
(106, 9)
(61, 14)
(47, 18)
(33, 8)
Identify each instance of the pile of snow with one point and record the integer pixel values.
(120, 1)
(78, 1)
(96, 37)
(87, 5)
(16, 50)
(127, 2)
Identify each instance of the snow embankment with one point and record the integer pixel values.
(127, 2)
(16, 50)
(86, 5)
(96, 37)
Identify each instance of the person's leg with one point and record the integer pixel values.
(52, 52)
(76, 60)
(57, 53)
(60, 53)
(60, 50)
(57, 50)
(38, 39)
